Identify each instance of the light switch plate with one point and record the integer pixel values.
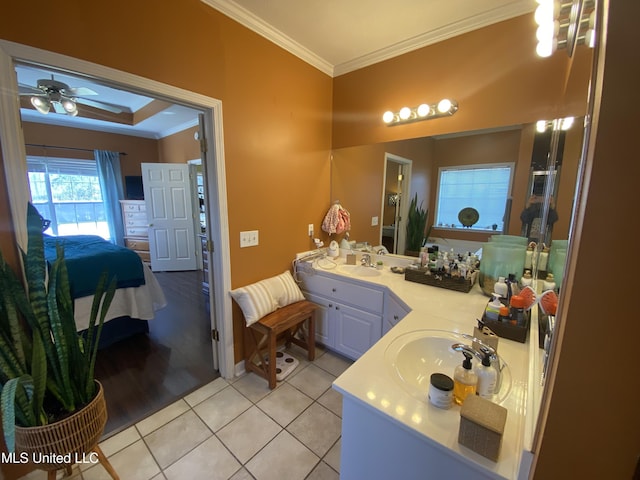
(374, 221)
(249, 238)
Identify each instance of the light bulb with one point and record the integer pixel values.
(541, 126)
(590, 38)
(41, 105)
(546, 49)
(444, 105)
(544, 13)
(566, 123)
(424, 110)
(388, 116)
(69, 106)
(405, 113)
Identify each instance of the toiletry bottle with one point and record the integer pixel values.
(528, 259)
(500, 287)
(544, 259)
(512, 286)
(505, 314)
(549, 283)
(487, 377)
(492, 310)
(517, 310)
(465, 380)
(527, 279)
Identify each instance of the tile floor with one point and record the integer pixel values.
(236, 430)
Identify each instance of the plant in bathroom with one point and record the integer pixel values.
(416, 224)
(46, 366)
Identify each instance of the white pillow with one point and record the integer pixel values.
(266, 296)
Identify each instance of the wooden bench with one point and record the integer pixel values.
(261, 338)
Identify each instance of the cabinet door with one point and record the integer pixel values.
(394, 311)
(356, 330)
(323, 314)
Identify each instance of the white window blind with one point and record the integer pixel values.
(67, 192)
(485, 188)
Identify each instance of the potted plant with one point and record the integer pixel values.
(51, 403)
(416, 224)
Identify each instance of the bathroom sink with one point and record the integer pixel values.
(359, 270)
(414, 356)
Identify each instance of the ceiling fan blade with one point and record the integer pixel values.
(58, 107)
(29, 90)
(110, 107)
(79, 91)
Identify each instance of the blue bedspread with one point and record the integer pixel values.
(88, 256)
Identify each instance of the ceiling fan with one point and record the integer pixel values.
(50, 93)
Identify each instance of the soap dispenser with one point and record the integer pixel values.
(492, 310)
(465, 380)
(501, 288)
(487, 377)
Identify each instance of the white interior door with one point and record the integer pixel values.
(167, 195)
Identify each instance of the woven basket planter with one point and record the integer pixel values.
(71, 437)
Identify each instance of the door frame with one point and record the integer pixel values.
(405, 193)
(14, 162)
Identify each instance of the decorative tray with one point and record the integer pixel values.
(435, 279)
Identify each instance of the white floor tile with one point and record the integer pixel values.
(248, 433)
(161, 417)
(252, 386)
(119, 441)
(283, 458)
(332, 458)
(333, 364)
(323, 472)
(210, 460)
(332, 399)
(317, 428)
(284, 404)
(221, 408)
(133, 463)
(176, 438)
(205, 392)
(312, 381)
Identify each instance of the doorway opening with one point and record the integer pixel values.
(395, 202)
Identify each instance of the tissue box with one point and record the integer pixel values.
(482, 426)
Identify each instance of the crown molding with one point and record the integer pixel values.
(259, 26)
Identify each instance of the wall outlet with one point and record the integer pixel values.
(249, 238)
(374, 221)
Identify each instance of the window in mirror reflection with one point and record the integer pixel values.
(474, 197)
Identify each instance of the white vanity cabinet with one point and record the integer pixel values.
(352, 316)
(394, 311)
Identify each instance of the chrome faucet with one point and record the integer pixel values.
(366, 260)
(484, 350)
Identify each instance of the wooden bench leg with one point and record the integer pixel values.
(311, 341)
(272, 360)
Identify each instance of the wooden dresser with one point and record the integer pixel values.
(136, 227)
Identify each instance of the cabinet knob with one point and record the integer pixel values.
(333, 289)
(395, 317)
(331, 305)
(337, 307)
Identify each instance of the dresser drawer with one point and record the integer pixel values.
(136, 231)
(145, 256)
(137, 218)
(135, 244)
(133, 207)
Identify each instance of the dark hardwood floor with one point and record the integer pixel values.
(146, 372)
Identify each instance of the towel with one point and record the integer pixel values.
(337, 220)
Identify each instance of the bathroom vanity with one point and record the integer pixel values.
(389, 428)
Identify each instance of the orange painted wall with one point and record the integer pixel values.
(179, 147)
(276, 110)
(138, 150)
(493, 73)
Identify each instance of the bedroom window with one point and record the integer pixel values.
(67, 192)
(485, 188)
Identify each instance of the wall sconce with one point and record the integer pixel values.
(564, 25)
(557, 124)
(444, 108)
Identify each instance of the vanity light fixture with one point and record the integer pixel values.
(557, 124)
(564, 25)
(424, 111)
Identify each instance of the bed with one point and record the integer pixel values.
(138, 295)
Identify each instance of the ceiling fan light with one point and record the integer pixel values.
(69, 106)
(41, 105)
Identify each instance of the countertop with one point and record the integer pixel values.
(370, 380)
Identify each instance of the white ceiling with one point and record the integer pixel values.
(335, 36)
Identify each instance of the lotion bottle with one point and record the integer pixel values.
(492, 311)
(487, 378)
(501, 288)
(465, 380)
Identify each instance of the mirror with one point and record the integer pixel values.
(365, 179)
